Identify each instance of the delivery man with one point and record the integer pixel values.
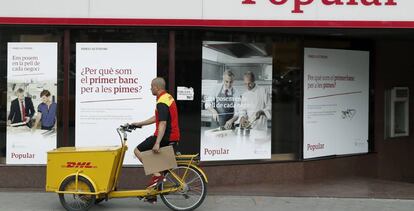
(167, 131)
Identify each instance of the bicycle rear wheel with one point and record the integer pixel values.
(193, 194)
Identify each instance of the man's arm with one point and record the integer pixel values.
(12, 112)
(162, 125)
(38, 118)
(30, 107)
(267, 105)
(163, 116)
(149, 121)
(237, 102)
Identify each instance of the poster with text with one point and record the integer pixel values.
(113, 82)
(336, 101)
(31, 101)
(236, 108)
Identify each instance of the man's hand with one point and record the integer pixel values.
(156, 148)
(228, 124)
(214, 115)
(137, 124)
(244, 122)
(27, 120)
(259, 113)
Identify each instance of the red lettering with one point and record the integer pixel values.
(81, 164)
(278, 2)
(70, 164)
(88, 165)
(332, 2)
(299, 3)
(371, 2)
(352, 2)
(391, 3)
(248, 2)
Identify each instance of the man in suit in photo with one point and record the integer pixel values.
(21, 109)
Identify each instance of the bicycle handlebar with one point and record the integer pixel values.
(129, 128)
(123, 129)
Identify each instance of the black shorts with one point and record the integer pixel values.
(148, 144)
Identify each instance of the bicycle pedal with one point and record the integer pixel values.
(150, 200)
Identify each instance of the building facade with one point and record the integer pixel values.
(329, 81)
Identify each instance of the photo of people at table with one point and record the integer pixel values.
(236, 97)
(31, 107)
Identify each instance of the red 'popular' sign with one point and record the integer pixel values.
(299, 3)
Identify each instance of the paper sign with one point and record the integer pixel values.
(184, 93)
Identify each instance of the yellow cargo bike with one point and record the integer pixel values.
(84, 176)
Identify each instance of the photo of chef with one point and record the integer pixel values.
(236, 101)
(221, 104)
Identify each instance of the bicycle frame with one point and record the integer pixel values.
(184, 160)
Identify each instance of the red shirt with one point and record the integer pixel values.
(166, 110)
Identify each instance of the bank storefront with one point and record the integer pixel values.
(279, 86)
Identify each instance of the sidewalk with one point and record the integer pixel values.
(348, 194)
(40, 201)
(336, 188)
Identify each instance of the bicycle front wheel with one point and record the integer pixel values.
(193, 193)
(77, 202)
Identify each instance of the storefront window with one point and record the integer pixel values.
(30, 89)
(269, 64)
(225, 58)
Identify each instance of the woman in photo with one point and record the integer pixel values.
(46, 112)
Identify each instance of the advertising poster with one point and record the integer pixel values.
(31, 101)
(113, 82)
(336, 99)
(236, 101)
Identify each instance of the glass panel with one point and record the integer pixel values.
(27, 34)
(116, 35)
(400, 116)
(286, 97)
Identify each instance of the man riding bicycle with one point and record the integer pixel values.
(167, 131)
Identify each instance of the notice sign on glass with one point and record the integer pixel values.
(31, 101)
(113, 82)
(335, 115)
(236, 101)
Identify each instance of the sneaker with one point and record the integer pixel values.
(154, 181)
(151, 199)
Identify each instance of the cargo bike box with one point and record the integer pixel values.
(98, 163)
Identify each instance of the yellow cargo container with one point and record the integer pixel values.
(98, 164)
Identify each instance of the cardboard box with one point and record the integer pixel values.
(157, 162)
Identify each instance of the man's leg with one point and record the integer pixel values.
(138, 154)
(147, 144)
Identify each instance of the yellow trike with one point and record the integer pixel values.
(84, 176)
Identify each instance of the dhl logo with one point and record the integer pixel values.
(79, 165)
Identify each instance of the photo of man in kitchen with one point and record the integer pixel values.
(236, 101)
(256, 108)
(223, 102)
